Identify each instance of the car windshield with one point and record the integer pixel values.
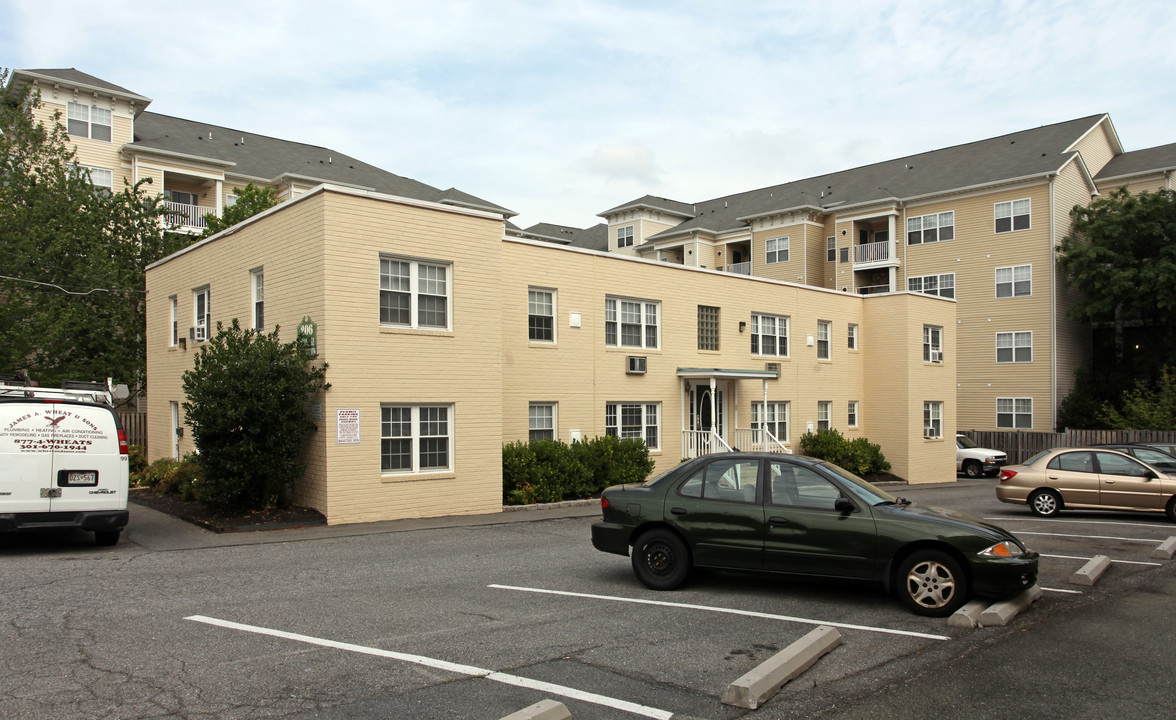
(965, 442)
(863, 490)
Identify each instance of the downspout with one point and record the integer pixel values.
(1053, 306)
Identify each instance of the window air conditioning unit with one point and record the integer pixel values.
(772, 367)
(635, 365)
(936, 356)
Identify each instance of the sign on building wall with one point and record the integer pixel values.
(308, 330)
(347, 426)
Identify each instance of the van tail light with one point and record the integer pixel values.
(123, 449)
(1007, 475)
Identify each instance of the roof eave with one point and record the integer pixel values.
(81, 86)
(136, 149)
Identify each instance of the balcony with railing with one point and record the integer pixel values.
(696, 443)
(874, 252)
(740, 268)
(185, 216)
(873, 289)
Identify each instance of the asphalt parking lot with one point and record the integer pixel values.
(481, 617)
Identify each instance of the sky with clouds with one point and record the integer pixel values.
(560, 110)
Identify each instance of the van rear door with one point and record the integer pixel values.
(89, 470)
(24, 466)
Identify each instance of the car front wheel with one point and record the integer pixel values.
(973, 469)
(932, 583)
(1045, 503)
(661, 560)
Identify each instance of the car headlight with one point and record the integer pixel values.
(990, 459)
(1008, 548)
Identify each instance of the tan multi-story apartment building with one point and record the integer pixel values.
(885, 302)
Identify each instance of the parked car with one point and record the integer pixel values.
(1089, 478)
(974, 461)
(63, 459)
(803, 516)
(1169, 448)
(1156, 458)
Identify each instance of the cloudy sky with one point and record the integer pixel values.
(560, 110)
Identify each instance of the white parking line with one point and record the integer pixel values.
(729, 611)
(1124, 562)
(1150, 541)
(1060, 590)
(468, 670)
(1081, 522)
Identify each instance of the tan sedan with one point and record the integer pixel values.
(1087, 478)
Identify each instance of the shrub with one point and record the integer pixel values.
(859, 456)
(551, 470)
(174, 477)
(138, 462)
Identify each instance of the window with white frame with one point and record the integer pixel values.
(777, 249)
(769, 335)
(824, 413)
(1014, 347)
(541, 421)
(824, 330)
(936, 227)
(416, 438)
(414, 294)
(933, 420)
(634, 420)
(1011, 216)
(201, 314)
(174, 317)
(1014, 281)
(831, 248)
(540, 315)
(932, 344)
(852, 414)
(1014, 413)
(853, 336)
(258, 299)
(625, 236)
(772, 417)
(88, 121)
(941, 285)
(708, 327)
(631, 323)
(102, 180)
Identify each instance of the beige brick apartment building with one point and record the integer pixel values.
(737, 322)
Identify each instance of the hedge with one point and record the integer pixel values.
(859, 456)
(542, 471)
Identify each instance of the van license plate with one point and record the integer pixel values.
(81, 477)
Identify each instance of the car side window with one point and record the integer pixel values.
(796, 486)
(1072, 462)
(733, 480)
(1111, 464)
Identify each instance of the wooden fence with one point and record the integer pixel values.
(135, 426)
(1020, 446)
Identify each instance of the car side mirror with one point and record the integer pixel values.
(844, 506)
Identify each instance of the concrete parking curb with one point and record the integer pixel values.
(1166, 549)
(1001, 613)
(969, 615)
(1089, 573)
(751, 690)
(542, 710)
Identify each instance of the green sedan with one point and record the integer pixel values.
(802, 516)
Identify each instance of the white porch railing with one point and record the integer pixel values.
(184, 215)
(743, 268)
(871, 252)
(696, 443)
(873, 289)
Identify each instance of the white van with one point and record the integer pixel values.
(63, 459)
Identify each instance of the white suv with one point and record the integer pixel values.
(975, 461)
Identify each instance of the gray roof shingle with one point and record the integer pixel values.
(1137, 162)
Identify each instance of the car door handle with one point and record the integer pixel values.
(1052, 477)
(1108, 482)
(677, 511)
(777, 520)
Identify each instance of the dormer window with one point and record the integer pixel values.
(625, 236)
(88, 121)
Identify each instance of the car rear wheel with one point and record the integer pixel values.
(932, 583)
(661, 560)
(106, 537)
(973, 469)
(1045, 503)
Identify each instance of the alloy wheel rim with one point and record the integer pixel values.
(931, 584)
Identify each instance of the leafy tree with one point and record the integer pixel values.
(1122, 256)
(72, 258)
(1146, 408)
(246, 405)
(251, 200)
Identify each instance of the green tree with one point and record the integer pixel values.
(1144, 407)
(1121, 255)
(72, 258)
(246, 405)
(251, 200)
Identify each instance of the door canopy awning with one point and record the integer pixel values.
(727, 373)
